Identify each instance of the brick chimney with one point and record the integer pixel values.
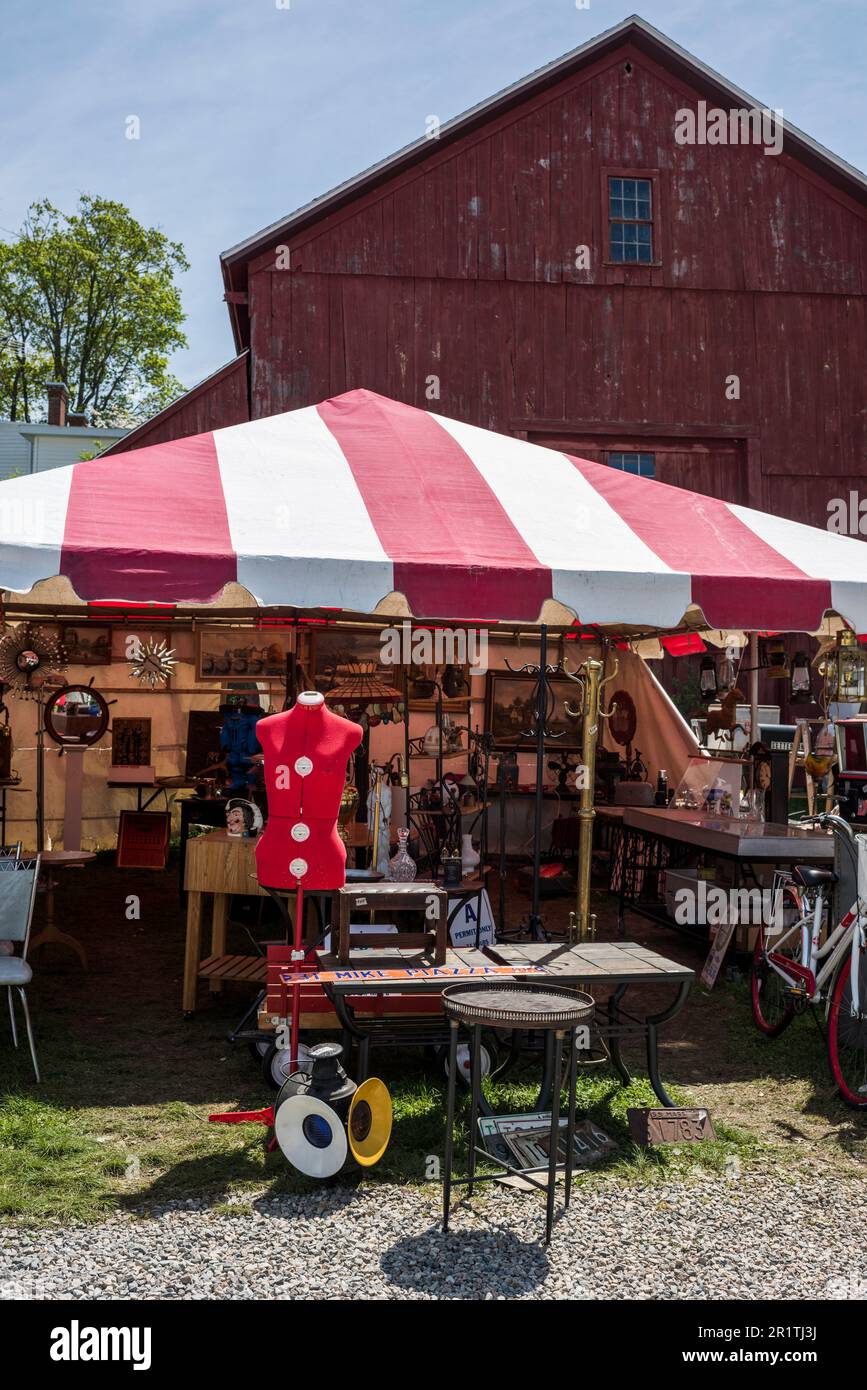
(58, 400)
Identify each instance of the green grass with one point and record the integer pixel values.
(50, 1167)
(60, 1164)
(120, 1121)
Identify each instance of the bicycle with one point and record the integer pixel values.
(793, 970)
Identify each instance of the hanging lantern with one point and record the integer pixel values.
(727, 676)
(845, 669)
(707, 679)
(775, 659)
(801, 687)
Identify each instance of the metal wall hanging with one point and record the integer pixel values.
(28, 657)
(153, 664)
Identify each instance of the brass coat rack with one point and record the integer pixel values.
(588, 677)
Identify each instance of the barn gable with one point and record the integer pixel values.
(473, 275)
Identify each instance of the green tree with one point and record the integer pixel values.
(89, 298)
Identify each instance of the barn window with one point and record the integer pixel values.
(630, 221)
(643, 465)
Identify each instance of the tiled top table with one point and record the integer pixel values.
(621, 965)
(624, 965)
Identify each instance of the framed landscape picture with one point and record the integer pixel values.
(86, 644)
(510, 710)
(242, 653)
(456, 679)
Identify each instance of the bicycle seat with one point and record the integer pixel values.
(807, 877)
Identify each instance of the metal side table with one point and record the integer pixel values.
(521, 1008)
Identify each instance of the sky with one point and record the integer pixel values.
(250, 108)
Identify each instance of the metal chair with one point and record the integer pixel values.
(17, 898)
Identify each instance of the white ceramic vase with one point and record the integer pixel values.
(470, 857)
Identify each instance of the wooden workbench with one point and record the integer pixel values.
(222, 867)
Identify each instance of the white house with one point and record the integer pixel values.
(34, 448)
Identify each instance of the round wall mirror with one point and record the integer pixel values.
(76, 714)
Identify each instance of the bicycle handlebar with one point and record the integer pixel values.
(835, 822)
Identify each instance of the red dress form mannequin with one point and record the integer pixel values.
(306, 751)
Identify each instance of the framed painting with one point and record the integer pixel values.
(131, 742)
(243, 653)
(86, 644)
(510, 710)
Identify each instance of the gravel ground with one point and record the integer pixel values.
(752, 1239)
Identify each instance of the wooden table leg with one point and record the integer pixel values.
(192, 951)
(218, 933)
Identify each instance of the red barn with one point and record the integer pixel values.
(555, 263)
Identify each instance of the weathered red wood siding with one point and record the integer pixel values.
(463, 268)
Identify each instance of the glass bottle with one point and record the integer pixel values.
(402, 867)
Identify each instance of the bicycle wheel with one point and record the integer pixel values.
(847, 1033)
(773, 1004)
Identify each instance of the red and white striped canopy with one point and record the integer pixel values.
(340, 504)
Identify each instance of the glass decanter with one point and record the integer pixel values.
(402, 867)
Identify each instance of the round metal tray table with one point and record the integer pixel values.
(518, 1007)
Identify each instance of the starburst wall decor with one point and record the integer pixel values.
(153, 663)
(28, 656)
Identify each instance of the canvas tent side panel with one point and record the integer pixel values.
(662, 734)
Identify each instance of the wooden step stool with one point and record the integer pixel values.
(391, 898)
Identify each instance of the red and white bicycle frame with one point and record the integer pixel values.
(817, 967)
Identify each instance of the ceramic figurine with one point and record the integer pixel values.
(243, 819)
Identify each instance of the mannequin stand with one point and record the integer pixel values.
(297, 958)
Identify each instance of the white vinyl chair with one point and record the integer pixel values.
(17, 898)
